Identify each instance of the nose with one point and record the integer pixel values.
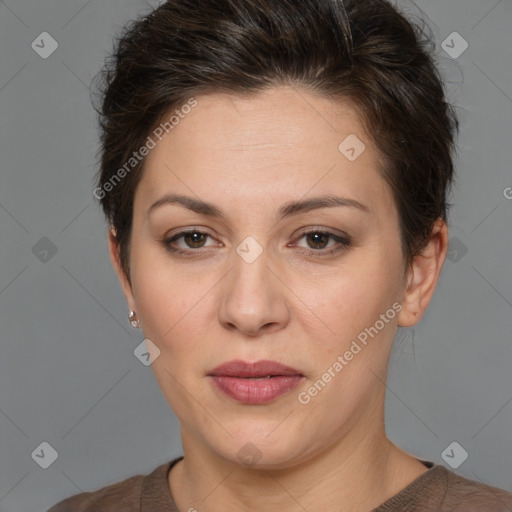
(253, 299)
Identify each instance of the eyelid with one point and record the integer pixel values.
(185, 231)
(333, 233)
(343, 241)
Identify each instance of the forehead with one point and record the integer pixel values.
(282, 142)
(283, 117)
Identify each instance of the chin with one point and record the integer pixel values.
(262, 451)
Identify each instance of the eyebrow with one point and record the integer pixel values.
(286, 210)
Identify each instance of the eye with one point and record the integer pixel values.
(193, 238)
(320, 241)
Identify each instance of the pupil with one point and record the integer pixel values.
(195, 236)
(316, 235)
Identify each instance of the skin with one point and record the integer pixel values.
(249, 156)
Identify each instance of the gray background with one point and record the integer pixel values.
(68, 375)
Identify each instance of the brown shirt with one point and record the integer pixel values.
(436, 490)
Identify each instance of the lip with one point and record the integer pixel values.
(255, 383)
(239, 368)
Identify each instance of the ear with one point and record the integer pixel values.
(423, 275)
(116, 263)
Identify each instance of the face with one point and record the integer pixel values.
(258, 277)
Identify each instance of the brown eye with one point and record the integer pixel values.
(190, 240)
(318, 239)
(318, 243)
(194, 239)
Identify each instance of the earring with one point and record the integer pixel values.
(134, 322)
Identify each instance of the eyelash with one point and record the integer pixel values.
(343, 243)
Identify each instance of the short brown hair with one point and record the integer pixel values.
(364, 51)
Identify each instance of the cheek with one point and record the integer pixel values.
(177, 306)
(178, 303)
(354, 297)
(164, 296)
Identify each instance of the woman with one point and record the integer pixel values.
(274, 175)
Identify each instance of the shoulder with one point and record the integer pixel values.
(465, 495)
(135, 494)
(124, 495)
(441, 490)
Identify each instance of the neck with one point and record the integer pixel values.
(357, 473)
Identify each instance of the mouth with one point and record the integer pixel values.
(258, 370)
(255, 383)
